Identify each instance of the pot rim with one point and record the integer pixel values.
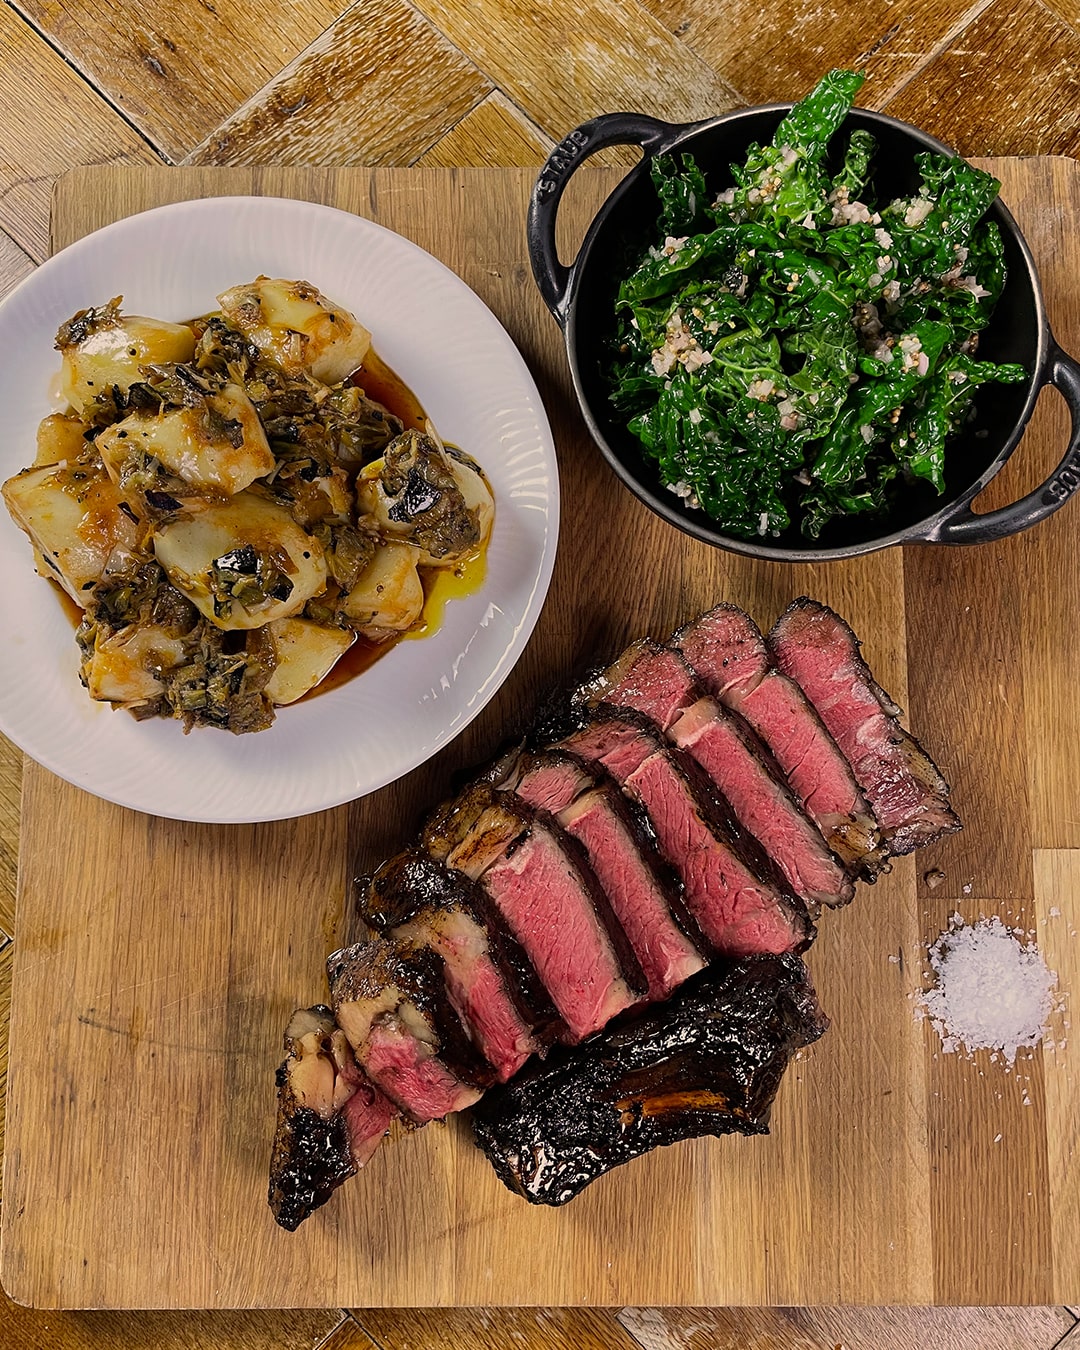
(679, 136)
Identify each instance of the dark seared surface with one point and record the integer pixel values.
(364, 970)
(411, 882)
(309, 1161)
(310, 1157)
(708, 1061)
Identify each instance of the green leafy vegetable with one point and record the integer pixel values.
(787, 350)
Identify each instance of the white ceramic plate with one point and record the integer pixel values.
(445, 343)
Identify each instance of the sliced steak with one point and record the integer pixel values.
(816, 648)
(331, 1119)
(726, 651)
(651, 679)
(644, 895)
(732, 888)
(658, 682)
(541, 883)
(390, 1000)
(708, 1062)
(730, 754)
(490, 981)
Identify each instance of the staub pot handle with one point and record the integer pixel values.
(621, 128)
(961, 525)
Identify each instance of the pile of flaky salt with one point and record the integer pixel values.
(991, 992)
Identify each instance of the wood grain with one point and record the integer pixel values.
(52, 119)
(494, 134)
(1057, 907)
(378, 87)
(845, 1328)
(176, 68)
(860, 1195)
(284, 1330)
(11, 762)
(574, 59)
(494, 1329)
(1010, 85)
(15, 264)
(6, 955)
(773, 51)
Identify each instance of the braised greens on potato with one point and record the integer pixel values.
(228, 507)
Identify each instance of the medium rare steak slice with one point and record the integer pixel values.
(815, 647)
(729, 753)
(391, 1003)
(707, 1062)
(731, 887)
(624, 860)
(726, 651)
(658, 682)
(541, 883)
(434, 907)
(331, 1119)
(653, 680)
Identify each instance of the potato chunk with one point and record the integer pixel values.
(102, 347)
(297, 328)
(74, 518)
(60, 437)
(424, 494)
(217, 446)
(243, 563)
(125, 668)
(305, 652)
(388, 596)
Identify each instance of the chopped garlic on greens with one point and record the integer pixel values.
(790, 350)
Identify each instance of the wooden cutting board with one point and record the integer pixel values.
(157, 963)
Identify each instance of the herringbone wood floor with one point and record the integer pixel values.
(462, 82)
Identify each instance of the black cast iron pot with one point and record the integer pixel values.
(582, 296)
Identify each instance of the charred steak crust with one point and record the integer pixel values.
(364, 970)
(902, 783)
(706, 1062)
(310, 1159)
(405, 885)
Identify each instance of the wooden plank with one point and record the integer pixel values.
(494, 134)
(773, 51)
(1046, 605)
(11, 763)
(51, 120)
(1008, 85)
(846, 1328)
(577, 58)
(6, 955)
(378, 87)
(1057, 905)
(176, 68)
(840, 1204)
(491, 1329)
(284, 1330)
(15, 264)
(988, 1134)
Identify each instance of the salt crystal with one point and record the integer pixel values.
(1055, 913)
(991, 993)
(997, 1138)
